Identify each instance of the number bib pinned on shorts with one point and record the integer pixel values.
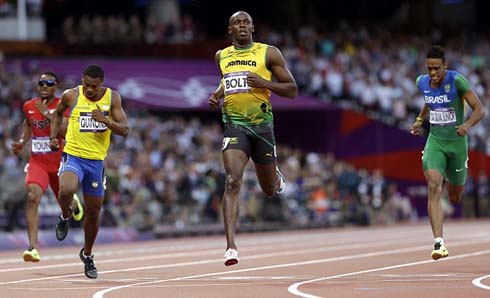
(443, 116)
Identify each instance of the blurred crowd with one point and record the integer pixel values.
(372, 68)
(112, 29)
(169, 171)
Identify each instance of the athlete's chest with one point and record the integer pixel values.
(443, 96)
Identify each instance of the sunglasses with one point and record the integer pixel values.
(49, 83)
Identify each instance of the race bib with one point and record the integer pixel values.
(236, 82)
(40, 145)
(87, 124)
(443, 117)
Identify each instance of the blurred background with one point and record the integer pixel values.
(343, 143)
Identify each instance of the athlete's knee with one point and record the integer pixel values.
(232, 183)
(434, 187)
(33, 199)
(455, 195)
(269, 190)
(92, 215)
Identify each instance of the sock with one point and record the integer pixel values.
(439, 240)
(65, 218)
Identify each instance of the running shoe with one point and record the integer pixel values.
(78, 212)
(90, 270)
(62, 228)
(31, 255)
(440, 251)
(231, 257)
(281, 181)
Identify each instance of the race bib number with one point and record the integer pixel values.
(40, 145)
(236, 82)
(443, 117)
(87, 124)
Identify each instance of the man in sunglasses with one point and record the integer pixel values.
(43, 165)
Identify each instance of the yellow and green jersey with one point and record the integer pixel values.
(243, 104)
(85, 137)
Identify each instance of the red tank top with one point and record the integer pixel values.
(40, 126)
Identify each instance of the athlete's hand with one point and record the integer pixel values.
(54, 144)
(462, 130)
(214, 101)
(17, 147)
(98, 115)
(416, 128)
(42, 107)
(256, 81)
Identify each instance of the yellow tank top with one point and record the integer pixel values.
(243, 104)
(85, 137)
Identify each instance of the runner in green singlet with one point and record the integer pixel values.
(445, 156)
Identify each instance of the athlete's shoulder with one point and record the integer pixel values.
(30, 102)
(421, 80)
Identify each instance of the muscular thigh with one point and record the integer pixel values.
(434, 156)
(235, 138)
(37, 174)
(457, 165)
(93, 183)
(263, 145)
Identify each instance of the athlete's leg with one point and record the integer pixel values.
(54, 182)
(234, 161)
(93, 205)
(68, 187)
(455, 193)
(266, 174)
(34, 194)
(436, 215)
(36, 183)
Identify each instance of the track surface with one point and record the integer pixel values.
(376, 262)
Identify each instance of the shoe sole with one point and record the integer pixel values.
(29, 258)
(80, 206)
(231, 262)
(437, 256)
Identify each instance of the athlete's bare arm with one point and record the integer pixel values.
(417, 125)
(67, 99)
(219, 93)
(24, 138)
(476, 115)
(119, 122)
(285, 85)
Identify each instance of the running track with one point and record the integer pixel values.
(373, 262)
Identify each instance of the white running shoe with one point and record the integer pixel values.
(231, 257)
(281, 181)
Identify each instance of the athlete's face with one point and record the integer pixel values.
(91, 86)
(241, 27)
(46, 87)
(436, 69)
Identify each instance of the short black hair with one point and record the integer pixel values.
(94, 71)
(50, 73)
(436, 52)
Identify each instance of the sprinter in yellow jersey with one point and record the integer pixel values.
(247, 68)
(95, 112)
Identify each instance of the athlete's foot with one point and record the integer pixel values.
(281, 182)
(62, 228)
(89, 266)
(440, 251)
(231, 257)
(77, 207)
(31, 255)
